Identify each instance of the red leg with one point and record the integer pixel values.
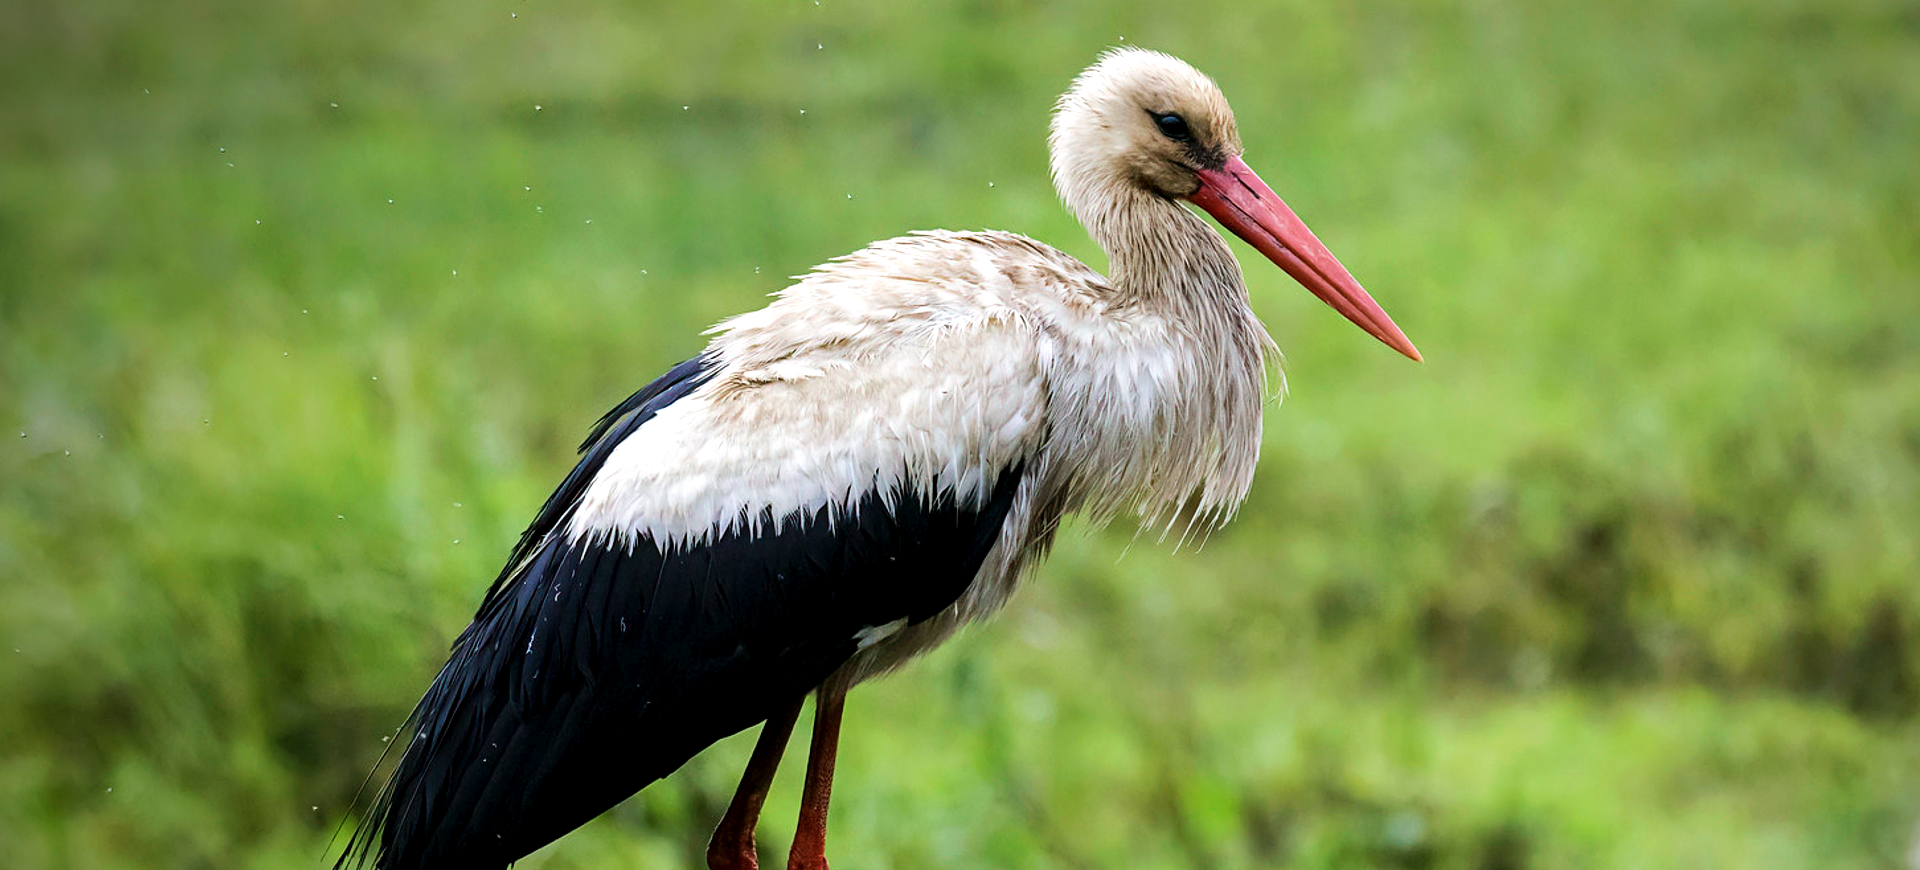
(732, 845)
(810, 840)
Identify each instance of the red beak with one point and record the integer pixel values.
(1241, 202)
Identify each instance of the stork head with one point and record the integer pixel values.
(1142, 122)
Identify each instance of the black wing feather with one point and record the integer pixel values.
(612, 428)
(594, 668)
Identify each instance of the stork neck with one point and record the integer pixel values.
(1159, 252)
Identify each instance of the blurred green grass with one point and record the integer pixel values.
(303, 306)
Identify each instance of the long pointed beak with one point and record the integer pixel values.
(1241, 202)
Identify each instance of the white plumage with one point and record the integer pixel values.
(929, 364)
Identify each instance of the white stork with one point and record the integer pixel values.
(846, 476)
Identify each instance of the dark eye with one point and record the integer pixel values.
(1172, 126)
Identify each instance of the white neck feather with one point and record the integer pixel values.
(1208, 382)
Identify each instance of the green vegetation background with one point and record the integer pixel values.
(304, 304)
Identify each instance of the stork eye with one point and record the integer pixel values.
(1172, 126)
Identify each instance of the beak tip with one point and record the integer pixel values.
(1391, 336)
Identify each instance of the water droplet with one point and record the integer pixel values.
(145, 91)
(223, 150)
(456, 540)
(339, 516)
(67, 452)
(456, 272)
(756, 271)
(229, 166)
(803, 111)
(684, 108)
(589, 220)
(458, 504)
(256, 222)
(849, 196)
(514, 14)
(989, 184)
(643, 271)
(283, 353)
(376, 377)
(303, 311)
(540, 208)
(526, 187)
(335, 105)
(109, 789)
(316, 808)
(819, 47)
(537, 107)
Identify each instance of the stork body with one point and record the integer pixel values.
(845, 477)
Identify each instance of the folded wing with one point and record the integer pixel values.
(731, 535)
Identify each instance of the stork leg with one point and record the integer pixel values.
(732, 845)
(810, 840)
